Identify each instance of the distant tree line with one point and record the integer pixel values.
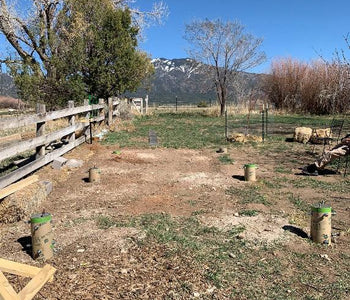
(319, 87)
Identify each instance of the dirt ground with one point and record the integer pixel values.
(95, 263)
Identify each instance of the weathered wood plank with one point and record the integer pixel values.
(10, 138)
(6, 290)
(8, 266)
(116, 102)
(17, 186)
(34, 165)
(34, 286)
(26, 120)
(17, 148)
(40, 129)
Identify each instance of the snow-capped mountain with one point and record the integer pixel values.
(185, 65)
(186, 80)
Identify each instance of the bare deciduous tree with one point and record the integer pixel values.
(226, 49)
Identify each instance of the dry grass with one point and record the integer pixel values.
(318, 87)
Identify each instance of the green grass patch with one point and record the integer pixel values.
(249, 194)
(232, 265)
(248, 213)
(226, 159)
(174, 130)
(341, 186)
(299, 203)
(282, 169)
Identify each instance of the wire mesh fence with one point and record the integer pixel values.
(266, 122)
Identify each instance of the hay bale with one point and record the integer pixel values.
(253, 138)
(241, 138)
(236, 137)
(23, 203)
(302, 134)
(319, 136)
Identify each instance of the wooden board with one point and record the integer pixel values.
(39, 277)
(26, 120)
(19, 147)
(36, 164)
(17, 186)
(33, 286)
(6, 290)
(15, 268)
(10, 138)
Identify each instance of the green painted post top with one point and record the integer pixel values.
(40, 218)
(321, 208)
(250, 166)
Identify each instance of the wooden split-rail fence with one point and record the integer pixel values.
(79, 118)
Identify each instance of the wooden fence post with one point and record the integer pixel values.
(110, 111)
(71, 120)
(88, 131)
(146, 104)
(102, 110)
(86, 103)
(40, 130)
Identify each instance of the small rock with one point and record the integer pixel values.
(232, 255)
(58, 163)
(325, 256)
(211, 290)
(196, 294)
(74, 259)
(240, 236)
(81, 250)
(289, 291)
(48, 186)
(74, 163)
(124, 271)
(72, 276)
(236, 214)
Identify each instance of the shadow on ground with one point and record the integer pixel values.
(296, 230)
(26, 243)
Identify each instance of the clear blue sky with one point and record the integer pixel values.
(294, 28)
(290, 28)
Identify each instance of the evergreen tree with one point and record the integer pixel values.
(79, 47)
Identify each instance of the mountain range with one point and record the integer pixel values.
(182, 80)
(187, 82)
(7, 86)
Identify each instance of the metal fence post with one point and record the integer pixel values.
(263, 123)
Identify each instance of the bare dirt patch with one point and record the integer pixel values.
(115, 262)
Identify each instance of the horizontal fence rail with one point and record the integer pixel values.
(88, 113)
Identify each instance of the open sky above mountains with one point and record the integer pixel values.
(300, 29)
